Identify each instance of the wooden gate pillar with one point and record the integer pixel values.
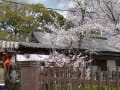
(29, 75)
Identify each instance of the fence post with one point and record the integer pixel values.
(83, 83)
(29, 76)
(99, 78)
(117, 79)
(65, 77)
(91, 78)
(49, 81)
(78, 79)
(107, 80)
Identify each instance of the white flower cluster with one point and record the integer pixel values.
(86, 15)
(77, 62)
(102, 15)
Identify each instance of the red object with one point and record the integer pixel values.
(7, 61)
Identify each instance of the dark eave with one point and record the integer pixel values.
(38, 48)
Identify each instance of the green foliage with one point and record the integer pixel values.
(95, 32)
(4, 34)
(46, 16)
(22, 19)
(15, 19)
(87, 86)
(17, 87)
(60, 18)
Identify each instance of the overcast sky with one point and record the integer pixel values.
(59, 4)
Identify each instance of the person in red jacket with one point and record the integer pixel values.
(7, 61)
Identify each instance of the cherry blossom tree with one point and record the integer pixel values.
(77, 62)
(99, 15)
(64, 37)
(110, 9)
(81, 12)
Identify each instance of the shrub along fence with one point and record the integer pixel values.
(37, 77)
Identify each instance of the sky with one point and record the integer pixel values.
(59, 4)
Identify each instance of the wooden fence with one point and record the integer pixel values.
(54, 78)
(68, 79)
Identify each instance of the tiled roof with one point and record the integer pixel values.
(89, 43)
